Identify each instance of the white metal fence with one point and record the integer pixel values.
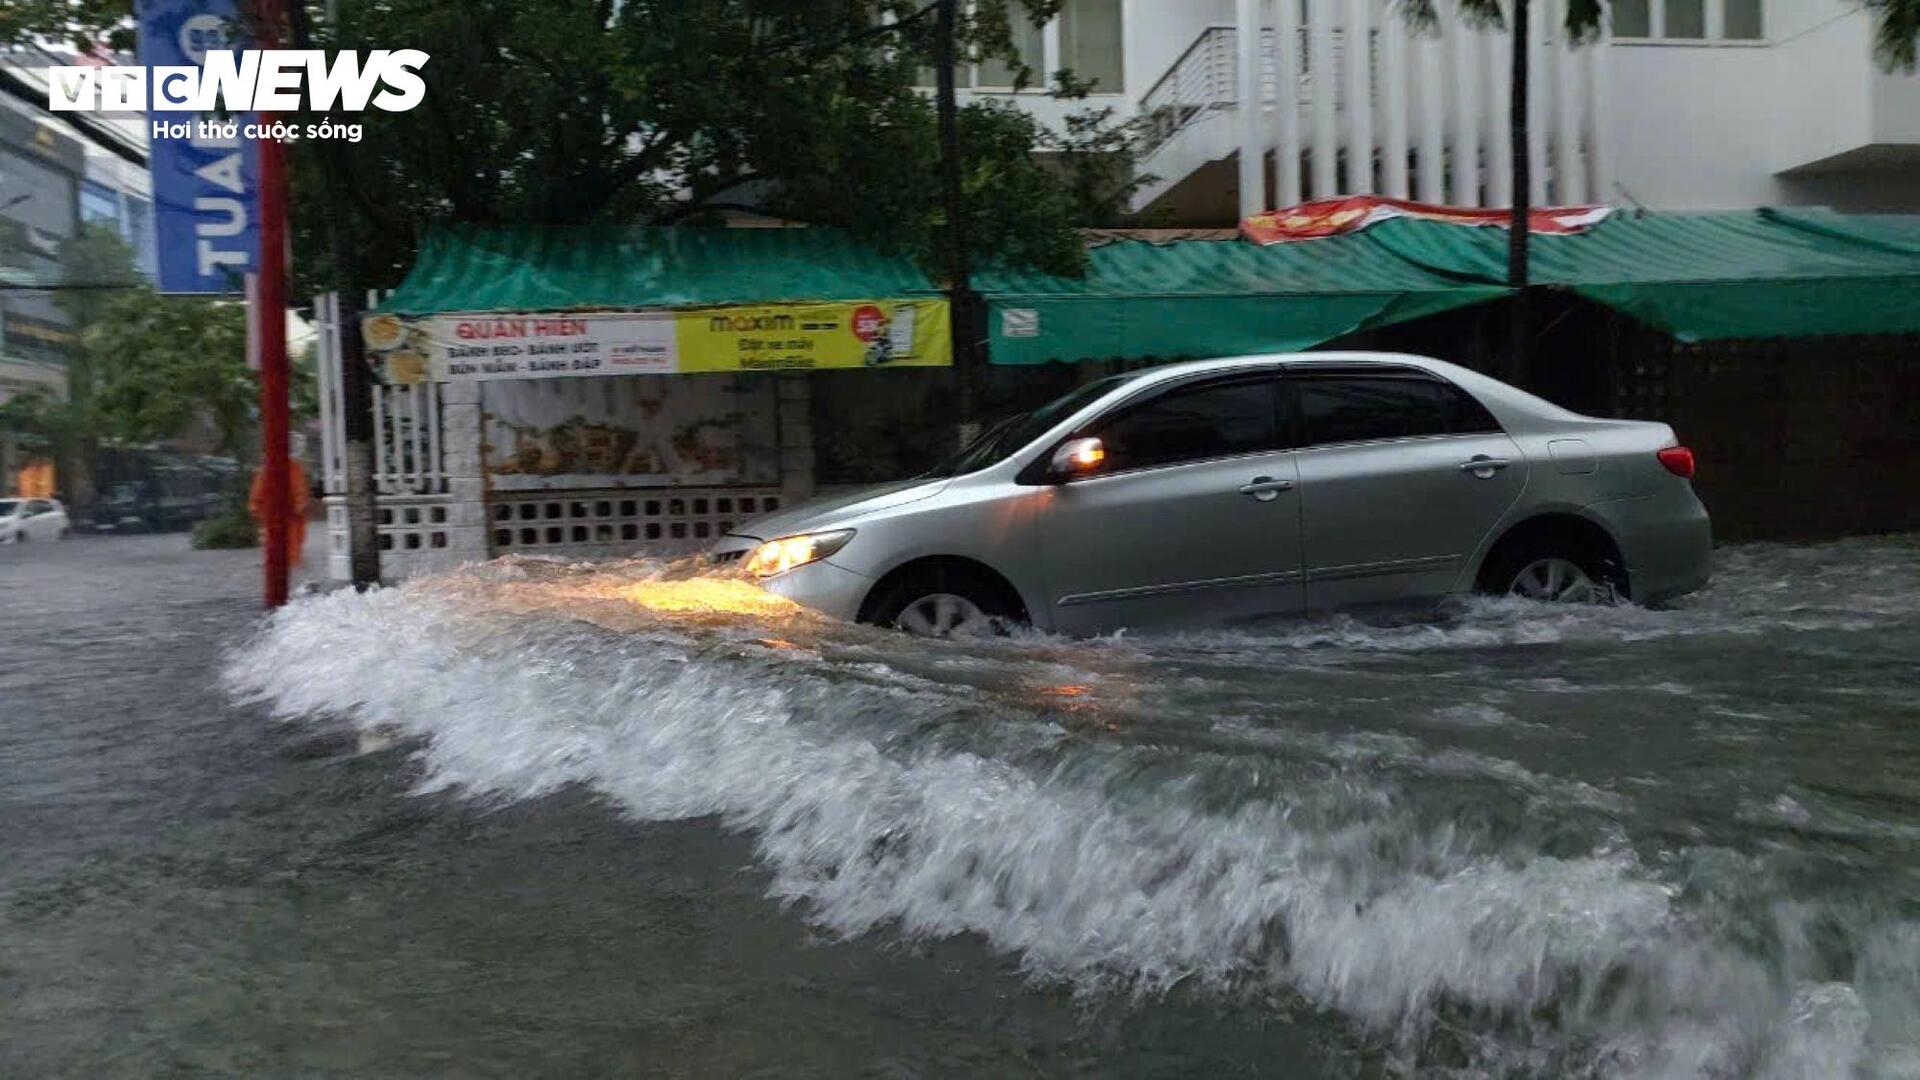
(407, 454)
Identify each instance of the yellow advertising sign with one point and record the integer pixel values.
(769, 337)
(799, 337)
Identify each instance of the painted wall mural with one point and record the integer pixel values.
(629, 431)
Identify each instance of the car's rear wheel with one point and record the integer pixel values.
(1555, 580)
(948, 602)
(1563, 572)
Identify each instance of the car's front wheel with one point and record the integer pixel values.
(948, 602)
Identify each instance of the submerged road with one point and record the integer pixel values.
(539, 820)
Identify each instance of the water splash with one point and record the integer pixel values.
(1440, 832)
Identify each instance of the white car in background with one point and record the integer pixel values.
(38, 520)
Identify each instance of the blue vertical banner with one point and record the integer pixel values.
(206, 188)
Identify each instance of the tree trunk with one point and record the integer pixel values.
(959, 284)
(1518, 235)
(356, 383)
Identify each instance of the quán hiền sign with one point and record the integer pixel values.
(465, 347)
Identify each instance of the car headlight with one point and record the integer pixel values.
(782, 555)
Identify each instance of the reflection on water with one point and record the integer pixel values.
(1512, 838)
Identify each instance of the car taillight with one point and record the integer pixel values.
(1678, 460)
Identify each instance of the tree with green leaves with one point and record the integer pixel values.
(145, 368)
(162, 363)
(81, 24)
(668, 112)
(96, 267)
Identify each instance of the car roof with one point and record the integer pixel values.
(1297, 359)
(1513, 407)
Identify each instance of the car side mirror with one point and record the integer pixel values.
(1076, 458)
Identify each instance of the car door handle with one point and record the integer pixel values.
(1266, 488)
(1484, 467)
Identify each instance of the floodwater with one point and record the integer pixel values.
(550, 818)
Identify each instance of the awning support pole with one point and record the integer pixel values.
(966, 359)
(1518, 236)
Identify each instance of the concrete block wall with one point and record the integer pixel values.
(458, 520)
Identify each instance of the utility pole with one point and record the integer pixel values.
(271, 323)
(1519, 237)
(959, 283)
(356, 382)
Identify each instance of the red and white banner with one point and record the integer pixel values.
(1337, 217)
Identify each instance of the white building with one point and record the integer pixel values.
(1682, 104)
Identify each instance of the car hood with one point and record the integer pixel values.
(831, 511)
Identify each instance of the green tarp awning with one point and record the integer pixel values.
(1707, 277)
(1208, 298)
(1700, 277)
(559, 269)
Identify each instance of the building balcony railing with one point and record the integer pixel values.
(1205, 80)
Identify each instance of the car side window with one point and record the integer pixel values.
(39, 506)
(1364, 408)
(1465, 414)
(1213, 420)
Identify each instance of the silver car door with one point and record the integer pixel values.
(1195, 522)
(1402, 475)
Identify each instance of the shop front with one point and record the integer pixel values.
(632, 392)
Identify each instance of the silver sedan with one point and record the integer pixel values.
(1226, 492)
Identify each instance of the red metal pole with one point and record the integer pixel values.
(271, 322)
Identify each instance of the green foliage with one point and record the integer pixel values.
(95, 265)
(230, 528)
(1896, 27)
(146, 367)
(1896, 32)
(43, 424)
(161, 362)
(233, 526)
(1096, 155)
(582, 112)
(79, 23)
(1582, 21)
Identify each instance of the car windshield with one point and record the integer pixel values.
(9, 507)
(1006, 436)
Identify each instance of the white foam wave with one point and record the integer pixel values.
(880, 800)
